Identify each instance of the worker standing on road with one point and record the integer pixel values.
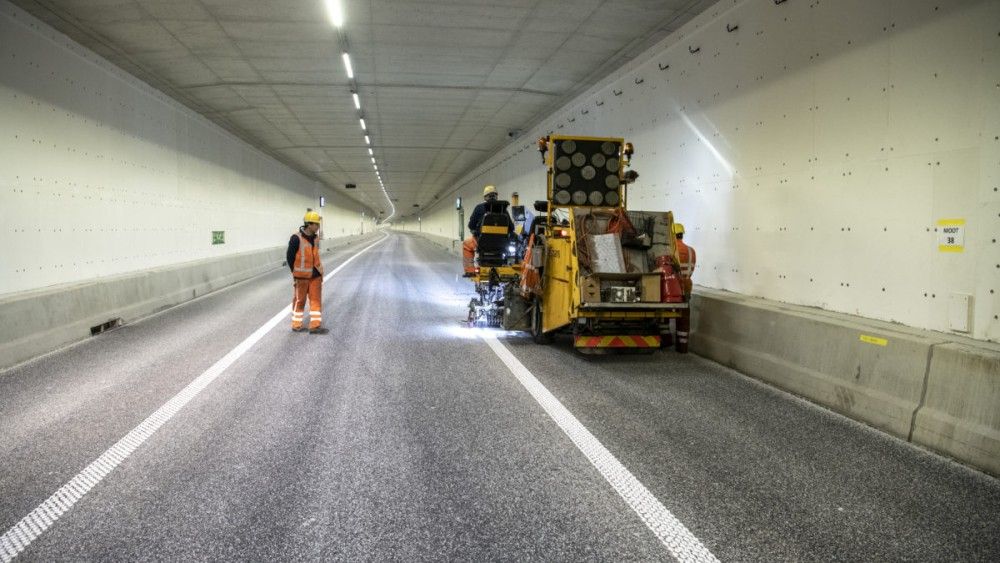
(307, 274)
(687, 258)
(475, 221)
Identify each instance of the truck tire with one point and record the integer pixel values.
(536, 325)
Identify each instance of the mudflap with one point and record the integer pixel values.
(516, 309)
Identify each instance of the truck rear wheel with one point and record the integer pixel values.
(537, 334)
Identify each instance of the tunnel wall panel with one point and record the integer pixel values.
(813, 153)
(103, 175)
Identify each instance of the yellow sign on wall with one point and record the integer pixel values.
(951, 235)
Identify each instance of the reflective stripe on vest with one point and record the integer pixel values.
(304, 268)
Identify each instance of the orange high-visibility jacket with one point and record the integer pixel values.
(306, 259)
(687, 258)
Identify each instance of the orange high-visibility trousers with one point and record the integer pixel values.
(312, 289)
(683, 330)
(469, 246)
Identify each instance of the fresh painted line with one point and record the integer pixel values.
(19, 537)
(679, 541)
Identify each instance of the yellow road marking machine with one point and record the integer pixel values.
(589, 267)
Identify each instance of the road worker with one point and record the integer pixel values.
(687, 258)
(475, 221)
(307, 274)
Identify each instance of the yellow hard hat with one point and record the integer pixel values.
(312, 217)
(678, 229)
(490, 189)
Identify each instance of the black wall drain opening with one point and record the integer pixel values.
(104, 327)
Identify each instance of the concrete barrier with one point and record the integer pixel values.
(917, 385)
(961, 412)
(48, 319)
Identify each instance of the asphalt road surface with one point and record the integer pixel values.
(402, 435)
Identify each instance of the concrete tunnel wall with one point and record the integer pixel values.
(111, 192)
(814, 154)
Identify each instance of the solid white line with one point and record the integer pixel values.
(679, 541)
(27, 530)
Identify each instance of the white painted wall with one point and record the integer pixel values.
(101, 175)
(811, 152)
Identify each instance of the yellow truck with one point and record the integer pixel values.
(591, 267)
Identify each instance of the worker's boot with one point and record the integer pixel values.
(298, 329)
(319, 330)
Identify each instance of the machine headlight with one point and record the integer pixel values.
(511, 249)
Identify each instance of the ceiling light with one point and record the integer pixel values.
(373, 160)
(370, 151)
(363, 126)
(367, 140)
(357, 100)
(347, 65)
(376, 167)
(335, 11)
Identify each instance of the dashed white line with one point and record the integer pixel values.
(19, 537)
(674, 535)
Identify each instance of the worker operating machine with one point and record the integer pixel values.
(590, 267)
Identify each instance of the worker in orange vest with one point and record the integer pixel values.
(687, 258)
(307, 274)
(470, 244)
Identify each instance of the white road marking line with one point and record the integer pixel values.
(19, 537)
(679, 541)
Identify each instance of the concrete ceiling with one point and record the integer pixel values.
(441, 82)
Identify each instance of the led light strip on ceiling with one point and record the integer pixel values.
(335, 11)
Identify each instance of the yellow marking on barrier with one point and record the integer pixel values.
(874, 340)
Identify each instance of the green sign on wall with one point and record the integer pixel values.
(218, 237)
